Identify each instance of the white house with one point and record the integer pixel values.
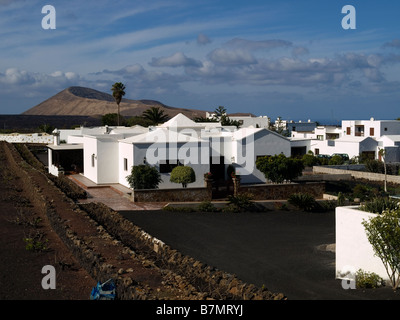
(354, 138)
(106, 155)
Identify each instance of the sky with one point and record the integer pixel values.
(290, 58)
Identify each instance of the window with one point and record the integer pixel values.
(316, 151)
(125, 164)
(320, 137)
(168, 165)
(371, 131)
(348, 131)
(93, 160)
(385, 129)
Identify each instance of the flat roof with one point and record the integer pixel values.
(66, 146)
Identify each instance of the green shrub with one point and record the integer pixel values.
(336, 160)
(240, 202)
(383, 233)
(367, 280)
(144, 177)
(279, 168)
(380, 204)
(341, 199)
(309, 160)
(207, 206)
(183, 174)
(303, 201)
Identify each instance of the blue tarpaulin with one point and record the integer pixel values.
(103, 291)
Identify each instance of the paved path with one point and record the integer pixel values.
(116, 196)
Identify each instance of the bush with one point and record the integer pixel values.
(207, 206)
(341, 200)
(279, 168)
(336, 160)
(383, 233)
(183, 174)
(309, 160)
(366, 280)
(380, 204)
(240, 202)
(303, 201)
(144, 177)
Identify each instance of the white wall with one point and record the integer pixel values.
(27, 138)
(108, 166)
(125, 152)
(90, 148)
(140, 151)
(266, 143)
(353, 250)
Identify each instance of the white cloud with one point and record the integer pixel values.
(176, 60)
(232, 57)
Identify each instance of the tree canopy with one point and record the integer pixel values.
(118, 91)
(183, 174)
(155, 115)
(144, 177)
(279, 168)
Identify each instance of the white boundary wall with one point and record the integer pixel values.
(353, 250)
(27, 138)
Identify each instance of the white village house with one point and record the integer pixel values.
(106, 155)
(354, 138)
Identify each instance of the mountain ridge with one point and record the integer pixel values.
(82, 101)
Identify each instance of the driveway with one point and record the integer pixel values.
(284, 251)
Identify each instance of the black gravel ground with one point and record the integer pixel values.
(285, 251)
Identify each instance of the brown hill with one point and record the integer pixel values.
(80, 101)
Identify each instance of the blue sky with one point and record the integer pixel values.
(277, 58)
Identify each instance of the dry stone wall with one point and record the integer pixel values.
(193, 279)
(283, 191)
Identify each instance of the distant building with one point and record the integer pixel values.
(354, 138)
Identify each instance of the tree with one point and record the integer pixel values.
(111, 119)
(118, 91)
(138, 120)
(383, 232)
(183, 174)
(221, 116)
(144, 177)
(336, 160)
(155, 115)
(382, 154)
(47, 128)
(279, 168)
(310, 160)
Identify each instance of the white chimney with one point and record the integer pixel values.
(56, 135)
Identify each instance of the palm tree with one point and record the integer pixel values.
(118, 92)
(155, 115)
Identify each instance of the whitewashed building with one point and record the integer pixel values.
(106, 155)
(353, 137)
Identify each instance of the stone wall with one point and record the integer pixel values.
(194, 279)
(358, 174)
(42, 138)
(283, 191)
(172, 195)
(208, 280)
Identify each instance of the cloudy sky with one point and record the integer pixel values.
(288, 58)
